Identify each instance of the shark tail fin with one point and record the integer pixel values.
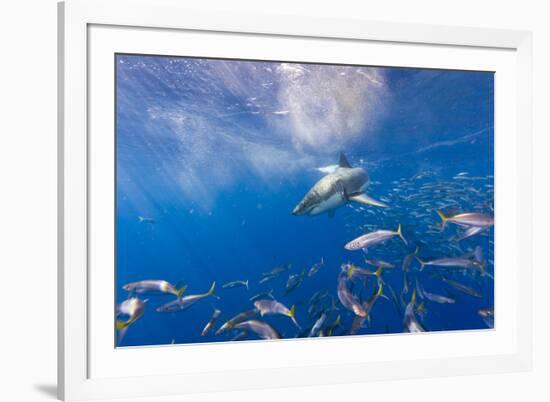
(400, 234)
(443, 219)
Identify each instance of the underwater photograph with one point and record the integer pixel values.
(261, 200)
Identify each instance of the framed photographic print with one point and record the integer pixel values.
(257, 195)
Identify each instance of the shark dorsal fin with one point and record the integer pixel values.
(343, 161)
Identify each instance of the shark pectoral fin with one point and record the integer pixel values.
(365, 199)
(331, 213)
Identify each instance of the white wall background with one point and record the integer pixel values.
(28, 198)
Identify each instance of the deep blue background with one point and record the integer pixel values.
(220, 174)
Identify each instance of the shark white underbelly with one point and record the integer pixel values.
(334, 201)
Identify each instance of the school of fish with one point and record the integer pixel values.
(409, 262)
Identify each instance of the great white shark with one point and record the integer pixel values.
(335, 189)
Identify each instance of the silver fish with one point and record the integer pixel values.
(368, 305)
(274, 307)
(318, 325)
(294, 281)
(408, 259)
(434, 297)
(462, 288)
(230, 324)
(453, 262)
(476, 254)
(357, 324)
(215, 315)
(347, 298)
(257, 296)
(267, 278)
(405, 284)
(353, 271)
(152, 287)
(471, 231)
(315, 268)
(318, 296)
(477, 219)
(410, 322)
(488, 316)
(418, 289)
(330, 329)
(260, 328)
(235, 284)
(143, 219)
(370, 239)
(393, 297)
(239, 336)
(277, 270)
(380, 264)
(132, 309)
(183, 303)
(437, 298)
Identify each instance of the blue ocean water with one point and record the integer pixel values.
(215, 155)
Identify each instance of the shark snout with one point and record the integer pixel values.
(299, 209)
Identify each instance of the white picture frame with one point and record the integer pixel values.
(79, 379)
